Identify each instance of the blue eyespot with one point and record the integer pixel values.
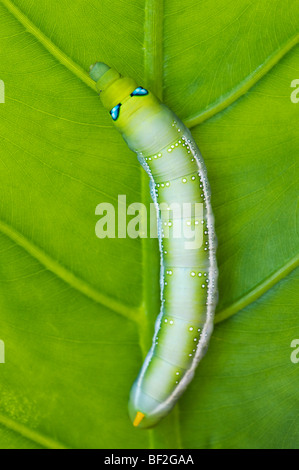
(139, 92)
(115, 112)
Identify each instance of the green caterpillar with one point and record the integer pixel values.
(167, 151)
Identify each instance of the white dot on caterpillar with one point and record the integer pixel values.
(192, 273)
(176, 144)
(169, 150)
(199, 274)
(184, 180)
(193, 178)
(191, 328)
(171, 322)
(165, 252)
(203, 286)
(165, 320)
(190, 355)
(195, 339)
(177, 373)
(169, 224)
(167, 184)
(172, 146)
(169, 272)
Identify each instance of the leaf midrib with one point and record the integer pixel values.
(154, 65)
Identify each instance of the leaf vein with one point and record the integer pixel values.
(63, 58)
(67, 276)
(258, 291)
(33, 436)
(243, 87)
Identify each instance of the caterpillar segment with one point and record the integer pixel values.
(188, 279)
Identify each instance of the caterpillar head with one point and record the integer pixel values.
(116, 91)
(137, 114)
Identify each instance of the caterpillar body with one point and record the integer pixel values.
(188, 279)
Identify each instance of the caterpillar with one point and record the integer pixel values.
(188, 274)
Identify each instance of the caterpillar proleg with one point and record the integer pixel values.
(188, 279)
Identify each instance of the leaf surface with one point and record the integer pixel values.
(77, 312)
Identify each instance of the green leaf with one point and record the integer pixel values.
(77, 312)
